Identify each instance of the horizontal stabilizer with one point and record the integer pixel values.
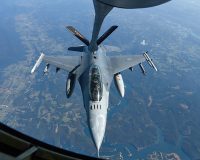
(38, 62)
(77, 49)
(78, 35)
(106, 34)
(110, 48)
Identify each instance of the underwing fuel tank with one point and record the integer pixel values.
(70, 84)
(119, 83)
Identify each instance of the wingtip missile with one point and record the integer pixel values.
(150, 61)
(38, 62)
(155, 67)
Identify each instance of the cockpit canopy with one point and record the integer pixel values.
(96, 87)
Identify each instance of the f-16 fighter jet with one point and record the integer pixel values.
(94, 69)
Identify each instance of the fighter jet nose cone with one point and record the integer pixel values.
(98, 144)
(98, 125)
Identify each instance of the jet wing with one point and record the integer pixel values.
(66, 63)
(63, 62)
(121, 63)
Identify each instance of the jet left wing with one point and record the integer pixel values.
(66, 63)
(121, 63)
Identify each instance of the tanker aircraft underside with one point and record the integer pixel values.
(94, 69)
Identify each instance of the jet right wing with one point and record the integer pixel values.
(66, 63)
(121, 63)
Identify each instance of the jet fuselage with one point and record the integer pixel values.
(95, 84)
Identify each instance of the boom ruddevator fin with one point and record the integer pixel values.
(106, 34)
(78, 35)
